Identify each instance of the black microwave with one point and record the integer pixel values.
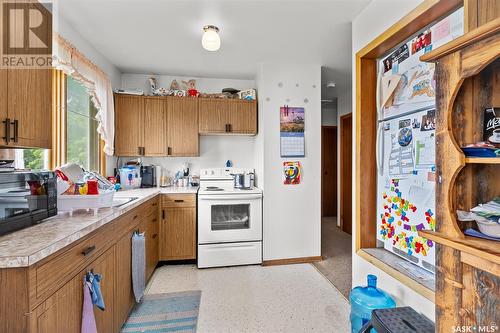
(26, 198)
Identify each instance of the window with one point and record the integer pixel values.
(82, 140)
(34, 159)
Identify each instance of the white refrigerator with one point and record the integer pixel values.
(406, 144)
(406, 185)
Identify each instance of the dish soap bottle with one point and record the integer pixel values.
(366, 299)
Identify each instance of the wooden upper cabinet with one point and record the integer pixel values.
(29, 107)
(182, 127)
(154, 127)
(128, 125)
(213, 115)
(3, 103)
(227, 116)
(243, 116)
(170, 126)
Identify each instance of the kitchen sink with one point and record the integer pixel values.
(118, 202)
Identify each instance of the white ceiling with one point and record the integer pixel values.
(164, 37)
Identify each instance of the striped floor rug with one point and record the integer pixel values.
(172, 312)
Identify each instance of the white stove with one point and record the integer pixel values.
(229, 220)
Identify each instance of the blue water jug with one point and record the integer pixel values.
(366, 299)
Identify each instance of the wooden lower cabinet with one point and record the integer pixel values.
(178, 227)
(152, 242)
(105, 265)
(62, 312)
(59, 308)
(124, 297)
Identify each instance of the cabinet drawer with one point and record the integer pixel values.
(127, 222)
(178, 200)
(52, 274)
(148, 208)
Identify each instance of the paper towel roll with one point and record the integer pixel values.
(158, 175)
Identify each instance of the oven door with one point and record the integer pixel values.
(229, 218)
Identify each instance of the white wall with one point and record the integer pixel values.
(74, 37)
(292, 222)
(371, 22)
(214, 152)
(329, 114)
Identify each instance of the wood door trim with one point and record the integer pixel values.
(291, 261)
(341, 169)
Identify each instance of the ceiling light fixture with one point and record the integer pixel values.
(210, 39)
(331, 84)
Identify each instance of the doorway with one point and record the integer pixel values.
(328, 171)
(346, 173)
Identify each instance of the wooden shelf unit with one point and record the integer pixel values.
(482, 160)
(467, 268)
(467, 285)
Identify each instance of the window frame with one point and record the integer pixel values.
(59, 152)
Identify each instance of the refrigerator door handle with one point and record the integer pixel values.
(378, 150)
(377, 93)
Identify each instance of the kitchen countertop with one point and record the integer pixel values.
(27, 246)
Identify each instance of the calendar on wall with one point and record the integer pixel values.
(292, 142)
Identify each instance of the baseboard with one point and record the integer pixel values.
(291, 261)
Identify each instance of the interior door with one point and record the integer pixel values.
(155, 126)
(346, 173)
(243, 116)
(213, 115)
(182, 126)
(128, 125)
(30, 104)
(329, 170)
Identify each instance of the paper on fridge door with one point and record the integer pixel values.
(407, 208)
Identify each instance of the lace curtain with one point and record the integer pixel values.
(69, 60)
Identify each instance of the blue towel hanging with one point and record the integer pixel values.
(95, 291)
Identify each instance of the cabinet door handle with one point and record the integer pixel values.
(154, 220)
(135, 217)
(7, 130)
(155, 235)
(143, 151)
(16, 130)
(88, 250)
(227, 128)
(178, 200)
(169, 150)
(138, 150)
(163, 214)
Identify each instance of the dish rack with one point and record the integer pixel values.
(70, 203)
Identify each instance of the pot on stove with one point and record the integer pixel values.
(243, 180)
